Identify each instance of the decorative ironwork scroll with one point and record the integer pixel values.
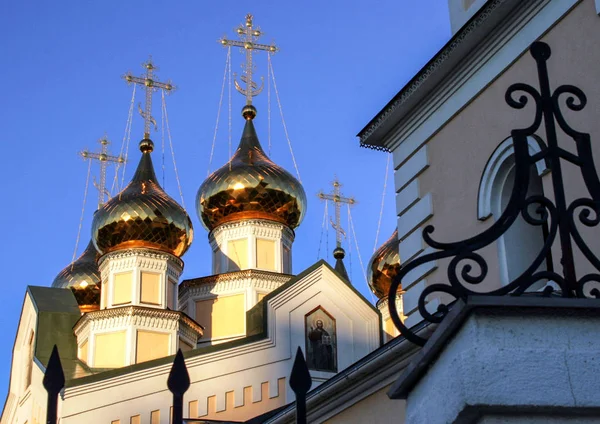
(467, 269)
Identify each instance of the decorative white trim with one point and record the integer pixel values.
(249, 230)
(411, 246)
(497, 160)
(408, 170)
(496, 52)
(239, 282)
(407, 197)
(136, 261)
(415, 216)
(130, 319)
(383, 306)
(414, 317)
(419, 272)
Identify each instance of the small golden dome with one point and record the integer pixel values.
(384, 266)
(142, 215)
(250, 186)
(83, 272)
(83, 277)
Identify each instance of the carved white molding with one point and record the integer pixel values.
(133, 254)
(384, 308)
(251, 230)
(232, 282)
(496, 47)
(136, 261)
(117, 319)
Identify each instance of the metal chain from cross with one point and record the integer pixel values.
(337, 199)
(249, 35)
(150, 85)
(104, 158)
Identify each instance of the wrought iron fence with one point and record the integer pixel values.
(467, 269)
(178, 383)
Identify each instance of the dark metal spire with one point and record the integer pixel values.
(339, 255)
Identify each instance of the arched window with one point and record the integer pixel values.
(519, 246)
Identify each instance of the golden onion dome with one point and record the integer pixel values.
(142, 215)
(384, 266)
(82, 276)
(250, 186)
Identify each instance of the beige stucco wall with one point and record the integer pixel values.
(222, 316)
(151, 345)
(458, 152)
(248, 409)
(122, 288)
(109, 350)
(150, 288)
(374, 409)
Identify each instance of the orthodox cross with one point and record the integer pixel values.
(249, 35)
(104, 158)
(150, 85)
(337, 200)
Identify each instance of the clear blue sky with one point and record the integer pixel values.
(340, 63)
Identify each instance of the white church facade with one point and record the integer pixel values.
(120, 312)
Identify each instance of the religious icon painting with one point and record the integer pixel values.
(321, 340)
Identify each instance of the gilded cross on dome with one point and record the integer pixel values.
(150, 85)
(337, 199)
(249, 36)
(104, 158)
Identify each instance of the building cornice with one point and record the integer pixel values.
(135, 254)
(452, 54)
(234, 276)
(137, 312)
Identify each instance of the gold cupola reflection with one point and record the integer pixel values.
(250, 186)
(142, 215)
(384, 266)
(83, 278)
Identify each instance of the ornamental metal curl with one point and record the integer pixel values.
(467, 269)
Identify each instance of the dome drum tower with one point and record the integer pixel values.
(141, 234)
(142, 277)
(383, 267)
(252, 244)
(250, 206)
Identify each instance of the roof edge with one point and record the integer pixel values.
(484, 15)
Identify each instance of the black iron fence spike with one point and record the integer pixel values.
(178, 383)
(54, 377)
(53, 382)
(300, 382)
(179, 378)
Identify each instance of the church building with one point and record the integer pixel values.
(121, 311)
